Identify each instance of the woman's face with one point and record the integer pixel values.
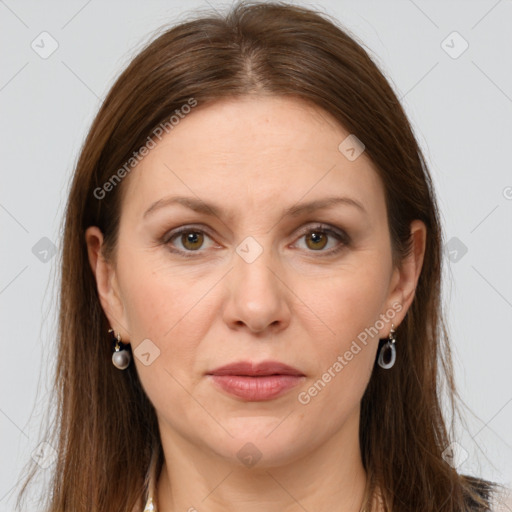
(249, 235)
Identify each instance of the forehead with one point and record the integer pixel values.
(253, 152)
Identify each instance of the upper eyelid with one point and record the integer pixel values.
(322, 226)
(183, 229)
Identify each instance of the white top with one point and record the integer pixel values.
(150, 505)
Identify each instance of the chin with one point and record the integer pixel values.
(262, 442)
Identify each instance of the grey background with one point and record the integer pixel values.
(461, 112)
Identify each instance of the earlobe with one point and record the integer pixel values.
(106, 282)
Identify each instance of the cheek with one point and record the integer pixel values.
(346, 310)
(348, 301)
(172, 308)
(156, 297)
(174, 313)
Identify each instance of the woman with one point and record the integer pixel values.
(249, 216)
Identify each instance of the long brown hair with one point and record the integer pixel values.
(106, 425)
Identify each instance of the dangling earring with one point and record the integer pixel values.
(388, 350)
(121, 357)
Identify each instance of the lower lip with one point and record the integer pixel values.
(255, 389)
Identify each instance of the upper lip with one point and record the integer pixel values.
(251, 369)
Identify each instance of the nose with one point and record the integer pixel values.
(258, 298)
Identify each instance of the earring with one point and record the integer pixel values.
(387, 353)
(121, 357)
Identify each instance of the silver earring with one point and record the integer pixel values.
(387, 353)
(121, 357)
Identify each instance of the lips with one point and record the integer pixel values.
(245, 368)
(256, 382)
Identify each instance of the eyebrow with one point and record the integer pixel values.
(200, 206)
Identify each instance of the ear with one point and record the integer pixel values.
(106, 282)
(405, 278)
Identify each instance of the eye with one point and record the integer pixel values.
(188, 239)
(319, 237)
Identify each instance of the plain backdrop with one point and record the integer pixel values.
(448, 61)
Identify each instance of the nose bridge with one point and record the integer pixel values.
(258, 298)
(254, 264)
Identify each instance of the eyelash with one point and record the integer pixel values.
(318, 228)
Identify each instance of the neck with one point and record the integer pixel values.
(329, 478)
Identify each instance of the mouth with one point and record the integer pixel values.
(256, 382)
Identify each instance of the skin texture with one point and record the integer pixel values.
(254, 157)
